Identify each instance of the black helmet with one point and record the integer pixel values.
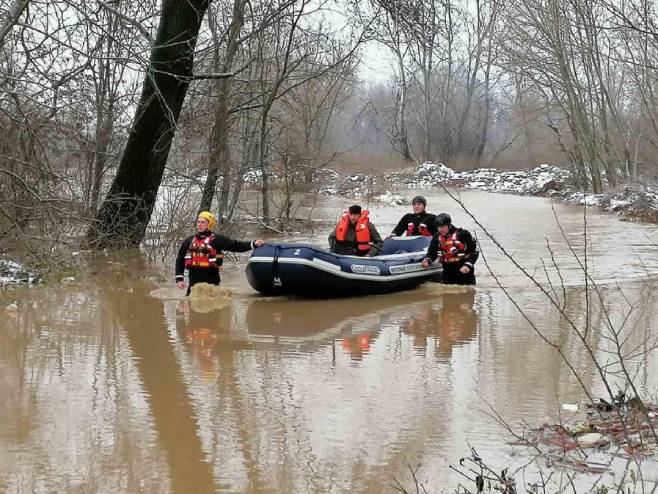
(443, 219)
(419, 200)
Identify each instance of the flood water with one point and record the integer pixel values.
(114, 384)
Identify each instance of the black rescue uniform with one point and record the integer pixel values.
(416, 224)
(455, 249)
(202, 254)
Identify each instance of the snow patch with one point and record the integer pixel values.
(392, 199)
(13, 273)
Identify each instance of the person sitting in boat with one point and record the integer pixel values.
(355, 235)
(457, 251)
(420, 222)
(202, 253)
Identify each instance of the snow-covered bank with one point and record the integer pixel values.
(544, 179)
(632, 202)
(13, 273)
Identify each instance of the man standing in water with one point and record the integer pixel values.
(457, 251)
(419, 222)
(354, 235)
(202, 254)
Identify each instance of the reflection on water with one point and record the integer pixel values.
(165, 390)
(443, 316)
(451, 321)
(201, 333)
(115, 385)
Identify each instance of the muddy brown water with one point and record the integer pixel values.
(113, 383)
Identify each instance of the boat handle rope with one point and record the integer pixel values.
(275, 263)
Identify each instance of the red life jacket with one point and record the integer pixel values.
(452, 250)
(362, 231)
(201, 254)
(422, 230)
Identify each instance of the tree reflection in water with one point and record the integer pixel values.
(142, 319)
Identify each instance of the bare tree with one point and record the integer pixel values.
(219, 156)
(387, 30)
(126, 211)
(303, 123)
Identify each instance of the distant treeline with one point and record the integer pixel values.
(102, 101)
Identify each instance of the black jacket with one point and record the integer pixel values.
(220, 243)
(465, 237)
(426, 218)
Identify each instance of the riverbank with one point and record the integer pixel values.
(630, 202)
(637, 202)
(14, 273)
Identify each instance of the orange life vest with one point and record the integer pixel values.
(452, 250)
(202, 254)
(422, 229)
(360, 342)
(362, 231)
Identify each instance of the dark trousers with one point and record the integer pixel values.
(200, 275)
(452, 275)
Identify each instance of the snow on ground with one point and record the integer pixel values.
(544, 179)
(13, 273)
(541, 180)
(391, 198)
(637, 202)
(634, 203)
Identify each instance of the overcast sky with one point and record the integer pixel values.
(375, 63)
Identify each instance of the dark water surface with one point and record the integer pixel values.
(113, 384)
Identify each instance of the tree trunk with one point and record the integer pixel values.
(250, 155)
(126, 211)
(15, 11)
(402, 109)
(427, 111)
(219, 155)
(262, 161)
(104, 130)
(484, 130)
(100, 163)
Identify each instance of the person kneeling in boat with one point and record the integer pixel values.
(457, 251)
(202, 254)
(420, 222)
(354, 235)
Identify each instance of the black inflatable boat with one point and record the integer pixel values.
(310, 271)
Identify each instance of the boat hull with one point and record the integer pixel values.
(305, 270)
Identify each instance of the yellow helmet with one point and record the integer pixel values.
(207, 215)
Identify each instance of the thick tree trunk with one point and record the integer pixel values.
(126, 211)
